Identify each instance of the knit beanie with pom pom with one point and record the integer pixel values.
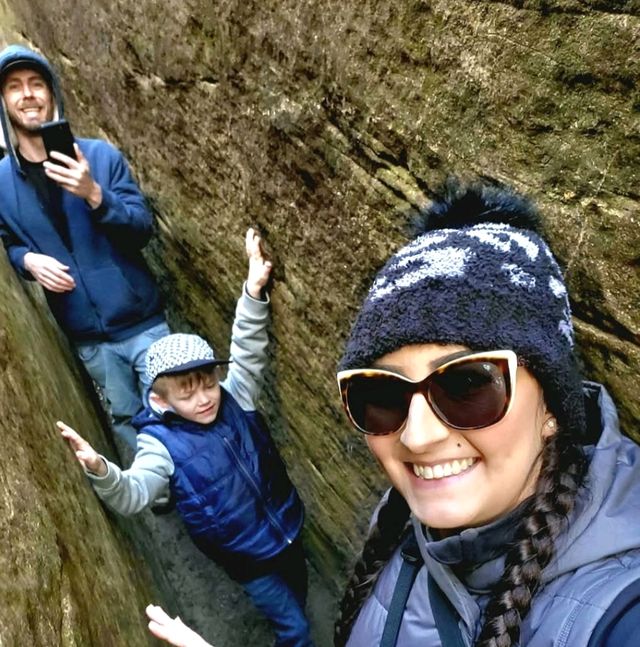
(480, 275)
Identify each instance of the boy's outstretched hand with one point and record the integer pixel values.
(173, 630)
(86, 455)
(259, 266)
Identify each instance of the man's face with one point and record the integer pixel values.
(28, 99)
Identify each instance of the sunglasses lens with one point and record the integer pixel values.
(471, 395)
(468, 394)
(378, 404)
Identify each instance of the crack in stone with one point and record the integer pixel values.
(389, 170)
(583, 228)
(621, 334)
(546, 9)
(512, 41)
(578, 246)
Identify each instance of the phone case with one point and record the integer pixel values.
(57, 136)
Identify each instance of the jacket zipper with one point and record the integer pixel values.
(256, 489)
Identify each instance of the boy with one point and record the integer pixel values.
(205, 439)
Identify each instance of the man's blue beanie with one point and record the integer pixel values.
(19, 57)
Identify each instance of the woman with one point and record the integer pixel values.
(513, 516)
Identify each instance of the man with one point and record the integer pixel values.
(76, 226)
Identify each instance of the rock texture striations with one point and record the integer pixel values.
(328, 124)
(70, 575)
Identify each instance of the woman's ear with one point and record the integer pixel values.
(550, 427)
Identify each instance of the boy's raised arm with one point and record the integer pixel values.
(249, 339)
(259, 265)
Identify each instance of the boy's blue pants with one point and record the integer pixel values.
(280, 593)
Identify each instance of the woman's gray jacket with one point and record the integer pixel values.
(597, 560)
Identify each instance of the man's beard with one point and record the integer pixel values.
(30, 128)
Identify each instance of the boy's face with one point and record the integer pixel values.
(197, 400)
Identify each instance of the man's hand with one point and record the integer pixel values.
(50, 273)
(86, 455)
(75, 176)
(173, 630)
(259, 266)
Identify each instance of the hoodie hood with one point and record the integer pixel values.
(609, 498)
(16, 56)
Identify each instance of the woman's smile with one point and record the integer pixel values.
(442, 469)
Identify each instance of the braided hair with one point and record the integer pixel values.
(562, 471)
(384, 537)
(561, 476)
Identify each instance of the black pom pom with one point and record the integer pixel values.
(465, 205)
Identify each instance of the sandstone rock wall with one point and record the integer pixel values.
(70, 576)
(328, 123)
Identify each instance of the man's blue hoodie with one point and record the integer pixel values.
(115, 296)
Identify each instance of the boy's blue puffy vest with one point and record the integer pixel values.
(230, 484)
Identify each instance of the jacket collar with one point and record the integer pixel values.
(476, 555)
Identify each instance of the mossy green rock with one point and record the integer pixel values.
(70, 575)
(328, 124)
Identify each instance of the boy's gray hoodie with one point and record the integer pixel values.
(129, 491)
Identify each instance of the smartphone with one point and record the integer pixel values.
(57, 136)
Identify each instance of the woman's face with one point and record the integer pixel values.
(497, 466)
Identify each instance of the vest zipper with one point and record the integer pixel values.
(256, 489)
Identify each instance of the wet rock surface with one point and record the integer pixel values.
(328, 124)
